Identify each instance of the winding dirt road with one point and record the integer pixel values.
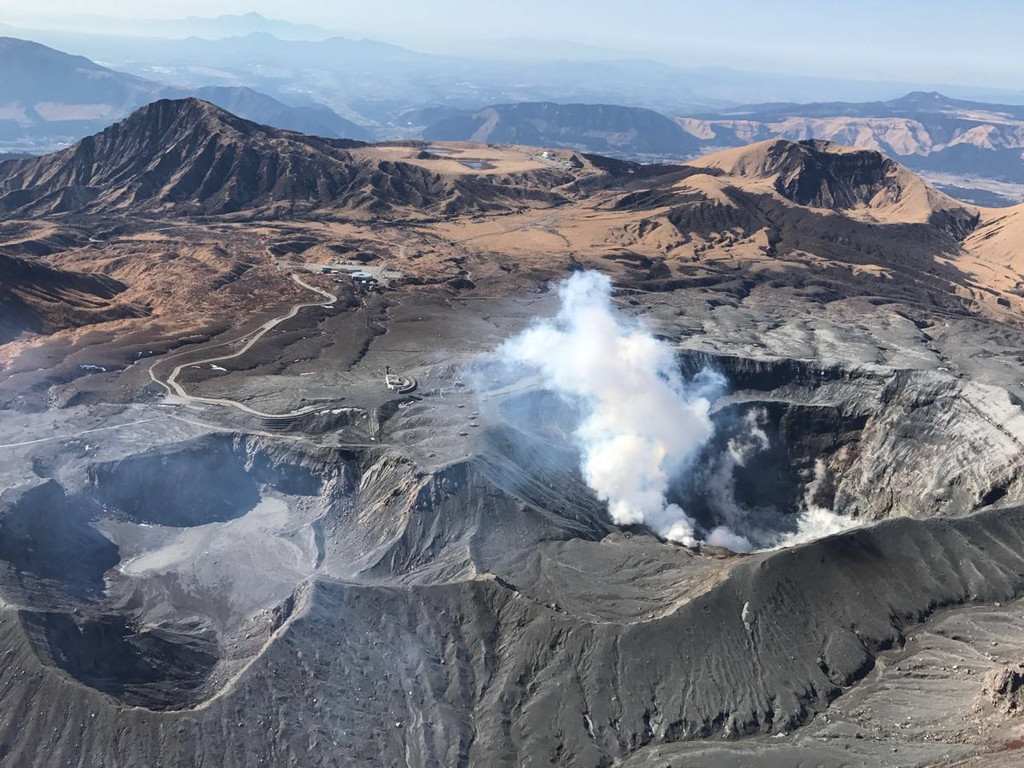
(174, 387)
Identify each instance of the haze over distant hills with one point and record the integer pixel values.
(46, 92)
(964, 145)
(971, 149)
(234, 25)
(209, 27)
(53, 98)
(603, 128)
(341, 68)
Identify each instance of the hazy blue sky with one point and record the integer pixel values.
(976, 42)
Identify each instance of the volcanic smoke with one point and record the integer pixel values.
(642, 422)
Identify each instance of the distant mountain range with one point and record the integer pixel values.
(957, 142)
(49, 98)
(775, 201)
(603, 128)
(217, 27)
(208, 27)
(972, 149)
(181, 159)
(373, 81)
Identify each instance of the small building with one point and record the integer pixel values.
(400, 384)
(363, 279)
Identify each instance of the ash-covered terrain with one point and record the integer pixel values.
(315, 452)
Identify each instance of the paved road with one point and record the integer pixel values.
(173, 386)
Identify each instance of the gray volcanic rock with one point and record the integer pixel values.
(448, 663)
(482, 610)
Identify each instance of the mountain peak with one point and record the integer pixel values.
(167, 122)
(822, 174)
(170, 152)
(187, 108)
(193, 158)
(775, 157)
(925, 96)
(927, 101)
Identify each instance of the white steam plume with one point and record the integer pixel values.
(721, 484)
(763, 527)
(642, 423)
(816, 522)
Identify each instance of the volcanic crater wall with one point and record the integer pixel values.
(486, 606)
(895, 443)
